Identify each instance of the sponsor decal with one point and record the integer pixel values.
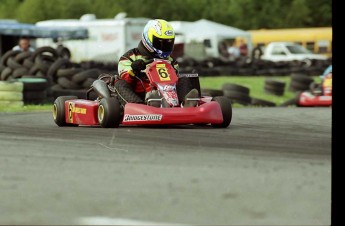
(152, 117)
(169, 33)
(79, 110)
(168, 88)
(72, 109)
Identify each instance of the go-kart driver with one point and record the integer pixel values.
(157, 42)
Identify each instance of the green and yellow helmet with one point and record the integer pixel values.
(158, 37)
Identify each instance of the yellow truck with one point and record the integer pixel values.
(317, 40)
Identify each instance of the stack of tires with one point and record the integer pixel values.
(17, 64)
(300, 82)
(237, 93)
(211, 92)
(274, 87)
(11, 94)
(70, 80)
(34, 90)
(62, 77)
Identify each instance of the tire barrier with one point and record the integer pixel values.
(237, 93)
(274, 87)
(11, 94)
(248, 66)
(300, 82)
(34, 90)
(59, 74)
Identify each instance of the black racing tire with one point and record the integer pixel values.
(34, 84)
(183, 87)
(126, 94)
(58, 64)
(225, 105)
(68, 84)
(19, 58)
(59, 110)
(82, 76)
(109, 113)
(6, 73)
(10, 53)
(235, 87)
(301, 78)
(237, 97)
(44, 49)
(262, 103)
(275, 83)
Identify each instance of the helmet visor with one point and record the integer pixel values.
(165, 45)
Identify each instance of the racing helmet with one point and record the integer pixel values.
(158, 38)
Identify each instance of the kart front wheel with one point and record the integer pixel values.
(225, 105)
(59, 110)
(109, 113)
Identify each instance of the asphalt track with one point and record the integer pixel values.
(272, 166)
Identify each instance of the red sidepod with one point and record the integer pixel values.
(84, 112)
(308, 99)
(81, 112)
(138, 114)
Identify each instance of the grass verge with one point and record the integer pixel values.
(254, 83)
(27, 108)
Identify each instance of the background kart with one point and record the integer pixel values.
(319, 95)
(107, 110)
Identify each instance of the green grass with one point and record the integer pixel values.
(254, 83)
(27, 108)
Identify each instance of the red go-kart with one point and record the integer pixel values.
(318, 95)
(108, 112)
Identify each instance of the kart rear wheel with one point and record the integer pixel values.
(59, 110)
(109, 113)
(225, 105)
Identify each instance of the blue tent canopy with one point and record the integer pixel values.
(31, 30)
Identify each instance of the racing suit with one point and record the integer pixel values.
(125, 70)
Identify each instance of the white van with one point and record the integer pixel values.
(108, 38)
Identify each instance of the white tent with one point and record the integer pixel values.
(209, 31)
